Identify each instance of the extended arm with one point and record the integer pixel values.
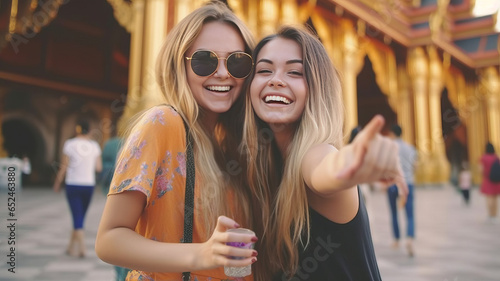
(370, 157)
(117, 242)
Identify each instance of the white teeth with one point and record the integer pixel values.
(219, 88)
(278, 98)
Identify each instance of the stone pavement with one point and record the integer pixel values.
(454, 242)
(42, 233)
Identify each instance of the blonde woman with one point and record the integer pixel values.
(315, 225)
(201, 69)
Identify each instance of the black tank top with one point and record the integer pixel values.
(341, 252)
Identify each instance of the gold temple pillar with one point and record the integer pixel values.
(289, 12)
(269, 15)
(253, 18)
(476, 127)
(489, 84)
(239, 8)
(439, 162)
(182, 9)
(405, 106)
(155, 30)
(351, 66)
(418, 71)
(328, 37)
(148, 31)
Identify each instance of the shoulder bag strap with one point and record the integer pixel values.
(189, 196)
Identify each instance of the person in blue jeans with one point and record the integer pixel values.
(80, 162)
(407, 156)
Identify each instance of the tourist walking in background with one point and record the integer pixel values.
(490, 188)
(465, 182)
(408, 157)
(22, 167)
(80, 161)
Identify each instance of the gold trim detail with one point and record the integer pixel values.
(29, 20)
(123, 13)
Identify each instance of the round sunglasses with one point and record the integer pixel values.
(205, 63)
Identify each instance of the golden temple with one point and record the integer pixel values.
(430, 65)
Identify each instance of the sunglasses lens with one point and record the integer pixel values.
(239, 64)
(204, 63)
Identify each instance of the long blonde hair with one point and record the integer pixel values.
(278, 183)
(212, 154)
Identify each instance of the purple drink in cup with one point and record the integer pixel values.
(239, 271)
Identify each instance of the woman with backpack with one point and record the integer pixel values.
(490, 185)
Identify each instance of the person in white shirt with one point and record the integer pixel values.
(19, 166)
(81, 160)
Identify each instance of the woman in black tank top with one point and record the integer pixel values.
(337, 251)
(314, 224)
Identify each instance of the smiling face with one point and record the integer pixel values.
(217, 92)
(279, 89)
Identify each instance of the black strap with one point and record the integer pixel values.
(189, 197)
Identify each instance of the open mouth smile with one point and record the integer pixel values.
(219, 89)
(276, 100)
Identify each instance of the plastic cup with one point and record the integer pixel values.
(239, 271)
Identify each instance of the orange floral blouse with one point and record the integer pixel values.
(153, 161)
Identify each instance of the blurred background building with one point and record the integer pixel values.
(430, 65)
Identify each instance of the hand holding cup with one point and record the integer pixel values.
(239, 271)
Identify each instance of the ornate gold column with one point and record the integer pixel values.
(134, 73)
(253, 18)
(418, 71)
(155, 30)
(351, 66)
(269, 15)
(327, 37)
(239, 8)
(489, 84)
(405, 108)
(476, 127)
(289, 12)
(441, 166)
(465, 97)
(182, 8)
(148, 31)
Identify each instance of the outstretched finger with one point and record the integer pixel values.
(371, 129)
(360, 146)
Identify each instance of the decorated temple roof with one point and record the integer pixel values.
(452, 25)
(467, 30)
